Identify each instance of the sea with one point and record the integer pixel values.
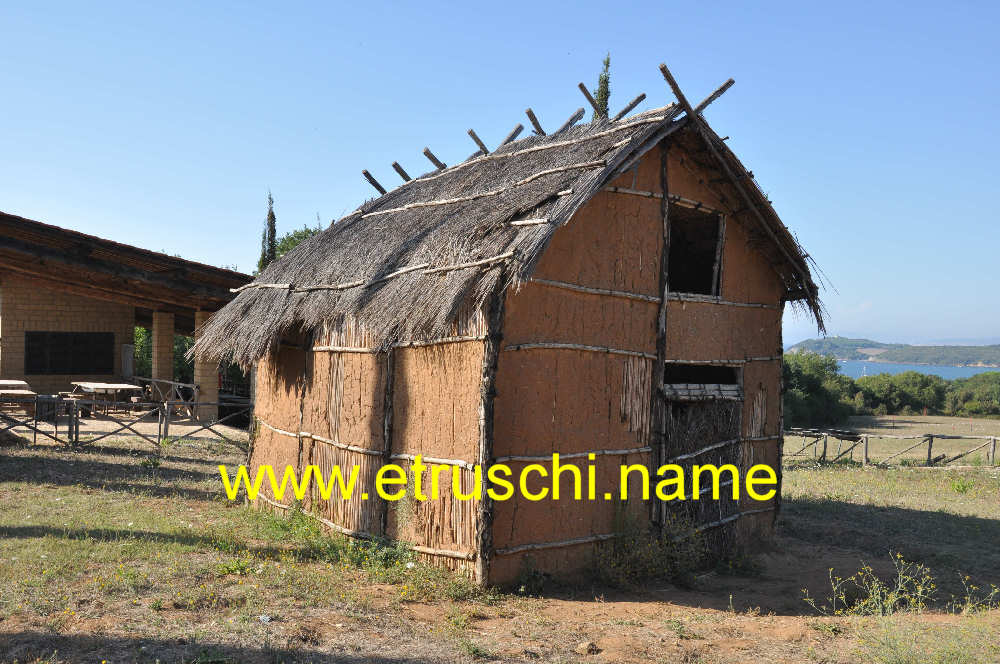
(858, 368)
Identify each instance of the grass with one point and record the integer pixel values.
(902, 642)
(919, 513)
(106, 555)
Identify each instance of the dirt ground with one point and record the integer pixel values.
(118, 553)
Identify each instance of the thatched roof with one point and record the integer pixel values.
(406, 264)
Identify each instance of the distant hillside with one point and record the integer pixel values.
(843, 348)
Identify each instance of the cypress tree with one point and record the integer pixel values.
(603, 92)
(269, 239)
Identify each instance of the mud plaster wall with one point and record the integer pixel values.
(570, 401)
(436, 395)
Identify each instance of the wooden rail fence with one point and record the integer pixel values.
(815, 444)
(64, 420)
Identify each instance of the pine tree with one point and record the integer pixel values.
(603, 92)
(269, 237)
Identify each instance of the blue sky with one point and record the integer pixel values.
(871, 127)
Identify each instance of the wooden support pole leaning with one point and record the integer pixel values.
(632, 104)
(478, 141)
(399, 169)
(590, 98)
(534, 122)
(434, 160)
(573, 119)
(514, 133)
(373, 182)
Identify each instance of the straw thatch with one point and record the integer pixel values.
(407, 265)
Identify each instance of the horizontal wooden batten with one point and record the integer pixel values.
(712, 299)
(573, 455)
(434, 460)
(719, 445)
(674, 198)
(423, 267)
(590, 349)
(628, 295)
(725, 363)
(321, 439)
(405, 344)
(486, 194)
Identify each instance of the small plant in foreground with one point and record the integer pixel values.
(974, 600)
(865, 594)
(637, 555)
(962, 485)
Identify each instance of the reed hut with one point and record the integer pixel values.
(614, 288)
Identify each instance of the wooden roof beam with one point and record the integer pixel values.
(440, 165)
(573, 119)
(534, 122)
(402, 173)
(514, 133)
(706, 135)
(590, 98)
(373, 182)
(632, 104)
(478, 141)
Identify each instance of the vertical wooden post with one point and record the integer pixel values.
(491, 356)
(993, 451)
(865, 460)
(166, 420)
(826, 438)
(658, 406)
(387, 406)
(930, 449)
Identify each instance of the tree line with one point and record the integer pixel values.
(817, 394)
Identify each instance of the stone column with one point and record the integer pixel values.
(163, 346)
(206, 376)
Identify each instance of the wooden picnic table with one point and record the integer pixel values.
(26, 406)
(108, 390)
(14, 385)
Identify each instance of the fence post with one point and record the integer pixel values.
(822, 456)
(864, 448)
(930, 449)
(76, 423)
(166, 420)
(34, 429)
(993, 451)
